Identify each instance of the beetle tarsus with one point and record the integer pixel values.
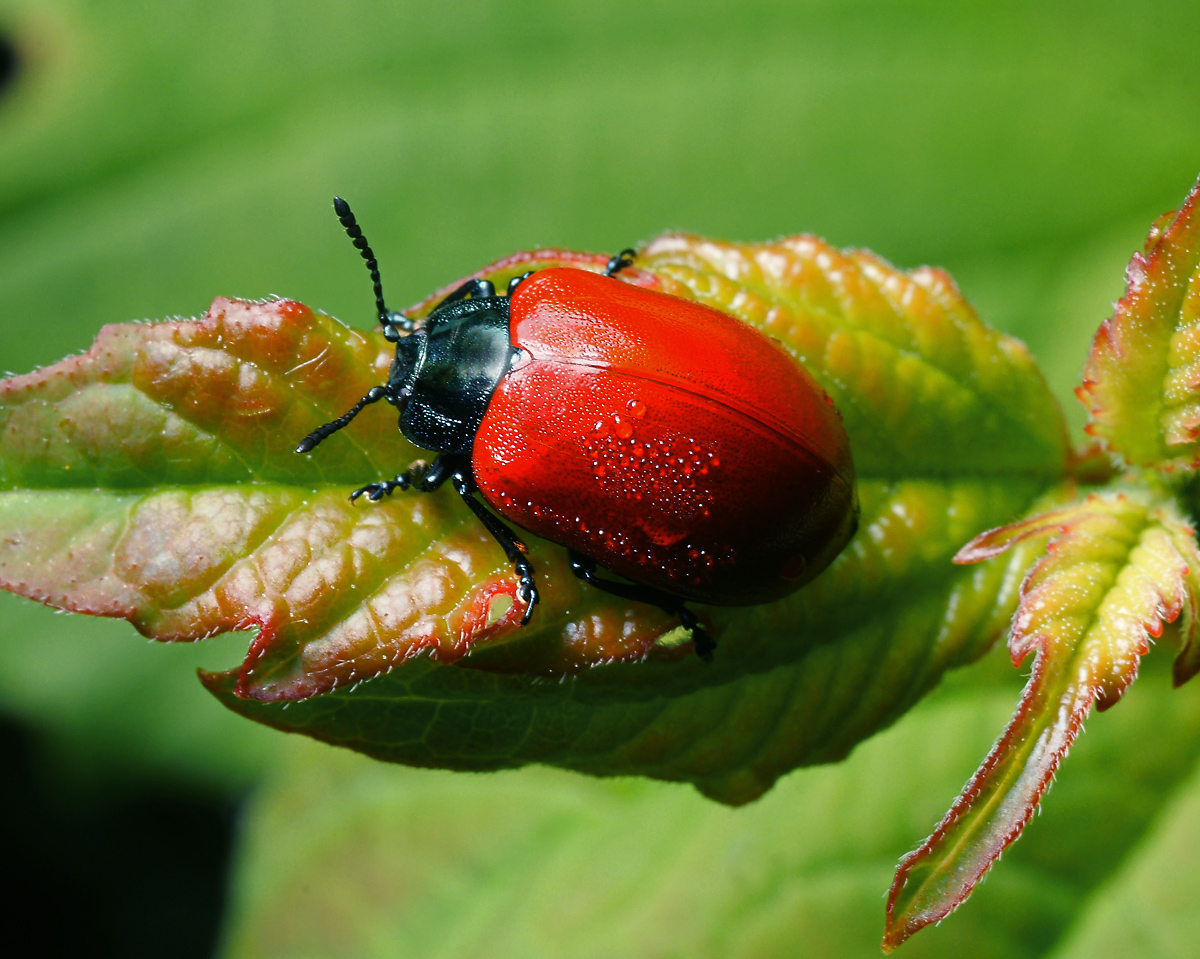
(702, 642)
(527, 590)
(420, 476)
(377, 491)
(585, 569)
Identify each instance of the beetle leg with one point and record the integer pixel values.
(514, 549)
(620, 261)
(421, 476)
(585, 569)
(425, 478)
(377, 491)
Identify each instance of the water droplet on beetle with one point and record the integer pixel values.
(637, 409)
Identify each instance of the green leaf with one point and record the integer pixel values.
(341, 856)
(951, 425)
(1118, 566)
(1142, 381)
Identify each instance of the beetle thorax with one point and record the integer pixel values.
(448, 368)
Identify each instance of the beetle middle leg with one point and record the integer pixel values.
(514, 548)
(585, 569)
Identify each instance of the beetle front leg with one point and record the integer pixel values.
(514, 549)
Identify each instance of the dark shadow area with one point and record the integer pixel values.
(132, 870)
(9, 63)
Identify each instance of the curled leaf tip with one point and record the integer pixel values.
(993, 542)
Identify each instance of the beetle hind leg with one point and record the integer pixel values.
(585, 569)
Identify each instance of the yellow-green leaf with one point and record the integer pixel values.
(1118, 566)
(1142, 381)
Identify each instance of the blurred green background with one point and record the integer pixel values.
(155, 155)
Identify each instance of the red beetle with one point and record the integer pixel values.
(663, 440)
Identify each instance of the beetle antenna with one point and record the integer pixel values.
(374, 395)
(387, 319)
